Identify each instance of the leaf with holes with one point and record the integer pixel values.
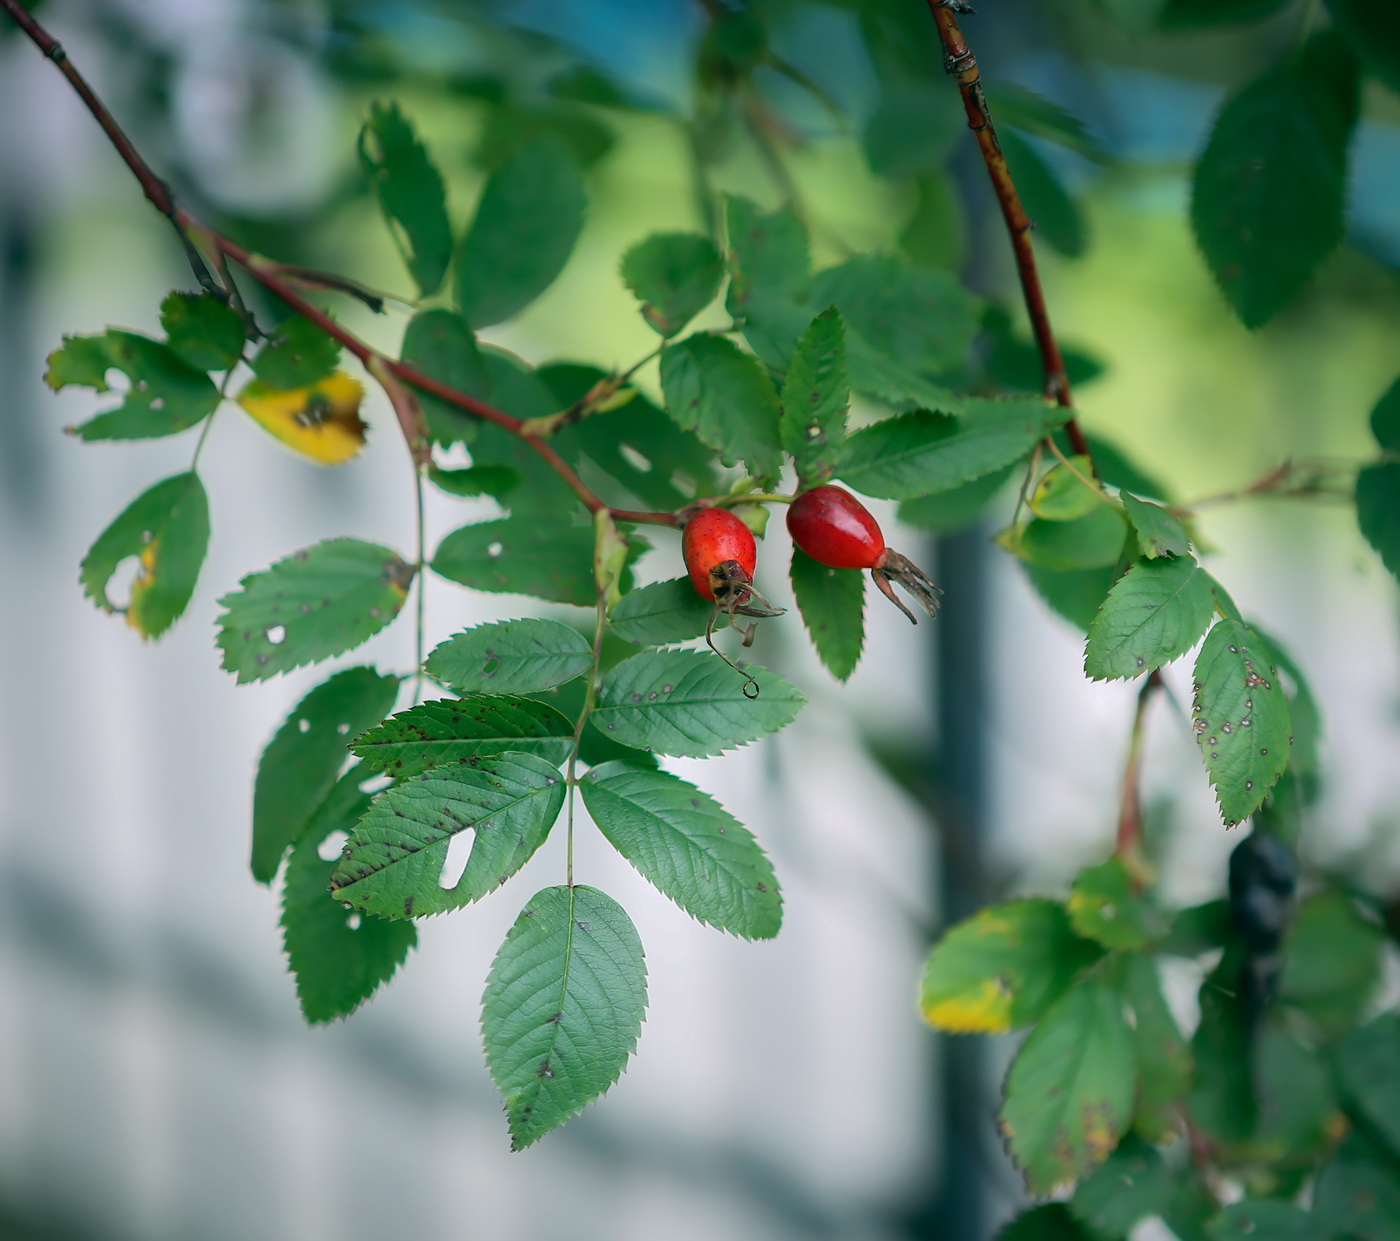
(206, 332)
(1158, 532)
(523, 232)
(690, 704)
(1240, 717)
(1378, 511)
(1153, 615)
(393, 864)
(496, 481)
(675, 276)
(410, 192)
(316, 603)
(439, 344)
(815, 399)
(1069, 1092)
(1104, 906)
(320, 421)
(296, 355)
(1002, 968)
(301, 762)
(688, 846)
(725, 398)
(452, 732)
(563, 1007)
(921, 454)
(832, 603)
(662, 612)
(1165, 1063)
(167, 529)
(1270, 189)
(166, 394)
(340, 959)
(511, 657)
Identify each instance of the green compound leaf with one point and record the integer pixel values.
(1132, 1184)
(920, 454)
(832, 603)
(687, 845)
(298, 353)
(661, 613)
(511, 657)
(1088, 542)
(1061, 495)
(690, 704)
(725, 398)
(410, 192)
(455, 732)
(205, 332)
(1264, 1219)
(1054, 213)
(339, 958)
(1002, 968)
(1332, 962)
(1368, 1071)
(304, 757)
(1240, 717)
(1378, 511)
(768, 258)
(439, 343)
(1155, 614)
(530, 215)
(1357, 1194)
(311, 605)
(1104, 906)
(1051, 1222)
(1165, 1063)
(166, 394)
(1069, 1092)
(675, 276)
(167, 529)
(1372, 28)
(563, 1007)
(1270, 189)
(1158, 532)
(1075, 594)
(394, 861)
(815, 399)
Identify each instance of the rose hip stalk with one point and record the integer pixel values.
(720, 556)
(836, 529)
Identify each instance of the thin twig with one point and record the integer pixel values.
(1310, 475)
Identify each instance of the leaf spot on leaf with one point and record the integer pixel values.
(275, 633)
(304, 726)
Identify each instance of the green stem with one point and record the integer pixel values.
(209, 421)
(589, 698)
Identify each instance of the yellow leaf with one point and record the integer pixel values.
(984, 1009)
(321, 421)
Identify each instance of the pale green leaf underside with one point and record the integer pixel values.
(511, 657)
(563, 1007)
(689, 704)
(395, 856)
(688, 846)
(1153, 615)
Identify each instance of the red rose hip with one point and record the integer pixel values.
(713, 542)
(837, 530)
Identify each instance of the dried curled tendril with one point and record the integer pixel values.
(735, 595)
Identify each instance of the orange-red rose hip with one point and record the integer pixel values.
(714, 538)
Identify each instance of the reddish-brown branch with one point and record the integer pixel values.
(962, 64)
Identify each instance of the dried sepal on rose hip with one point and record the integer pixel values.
(837, 530)
(720, 556)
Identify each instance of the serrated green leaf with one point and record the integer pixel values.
(815, 399)
(1075, 594)
(410, 192)
(205, 332)
(393, 863)
(1158, 532)
(1368, 1072)
(1332, 962)
(563, 1007)
(1154, 614)
(951, 511)
(880, 378)
(690, 704)
(922, 453)
(296, 354)
(1240, 717)
(1378, 511)
(1069, 1092)
(1104, 906)
(593, 747)
(453, 732)
(1264, 1219)
(339, 959)
(1087, 542)
(1132, 1184)
(529, 217)
(316, 603)
(725, 398)
(1165, 1064)
(1372, 28)
(675, 276)
(688, 846)
(832, 603)
(768, 257)
(300, 764)
(1002, 968)
(439, 343)
(1047, 203)
(1051, 1222)
(661, 613)
(511, 657)
(167, 529)
(1061, 495)
(497, 481)
(166, 394)
(1357, 1193)
(1270, 189)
